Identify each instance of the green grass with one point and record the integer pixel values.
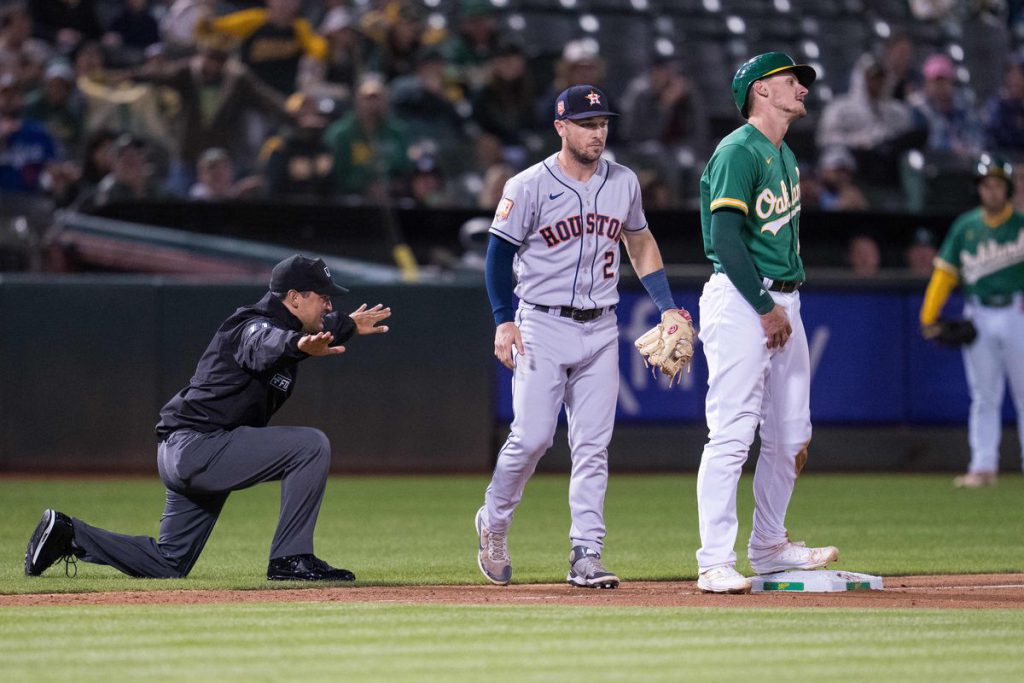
(411, 530)
(408, 530)
(324, 641)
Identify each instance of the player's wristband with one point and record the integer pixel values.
(656, 284)
(500, 280)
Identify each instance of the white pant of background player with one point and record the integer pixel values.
(749, 386)
(996, 354)
(575, 363)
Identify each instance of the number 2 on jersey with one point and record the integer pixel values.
(609, 264)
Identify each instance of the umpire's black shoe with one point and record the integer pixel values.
(307, 567)
(50, 542)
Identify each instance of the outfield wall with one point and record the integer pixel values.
(89, 360)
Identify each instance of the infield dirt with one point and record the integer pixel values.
(974, 591)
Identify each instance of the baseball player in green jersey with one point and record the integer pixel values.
(758, 363)
(984, 249)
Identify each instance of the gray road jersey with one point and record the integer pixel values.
(568, 232)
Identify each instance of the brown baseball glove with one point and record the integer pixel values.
(669, 345)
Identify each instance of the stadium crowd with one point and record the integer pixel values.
(436, 103)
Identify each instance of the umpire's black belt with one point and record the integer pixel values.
(580, 315)
(784, 286)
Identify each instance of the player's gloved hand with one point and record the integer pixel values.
(669, 345)
(953, 333)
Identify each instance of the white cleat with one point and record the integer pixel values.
(724, 579)
(793, 556)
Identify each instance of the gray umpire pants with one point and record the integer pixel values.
(200, 470)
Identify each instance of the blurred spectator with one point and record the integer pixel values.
(657, 193)
(296, 162)
(494, 185)
(134, 28)
(215, 94)
(16, 41)
(475, 42)
(837, 189)
(370, 147)
(130, 178)
(179, 23)
(1017, 197)
(946, 111)
(863, 256)
(1005, 111)
(427, 184)
(56, 107)
(473, 237)
(216, 174)
(273, 41)
(664, 106)
(25, 146)
(901, 75)
(404, 35)
(422, 101)
(580, 63)
(349, 51)
(920, 255)
(97, 162)
(503, 106)
(876, 128)
(66, 23)
(89, 61)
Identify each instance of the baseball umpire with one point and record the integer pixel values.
(214, 438)
(758, 363)
(985, 250)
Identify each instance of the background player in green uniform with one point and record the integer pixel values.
(758, 362)
(984, 249)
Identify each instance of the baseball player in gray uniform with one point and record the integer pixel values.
(554, 244)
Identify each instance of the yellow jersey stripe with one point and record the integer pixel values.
(732, 203)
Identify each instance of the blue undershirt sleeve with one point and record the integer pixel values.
(656, 284)
(500, 280)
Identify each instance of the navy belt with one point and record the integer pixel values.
(580, 315)
(784, 286)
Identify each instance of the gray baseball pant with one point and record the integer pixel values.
(200, 470)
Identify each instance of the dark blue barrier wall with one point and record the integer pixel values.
(869, 364)
(88, 362)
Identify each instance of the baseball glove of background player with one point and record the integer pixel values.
(669, 345)
(951, 332)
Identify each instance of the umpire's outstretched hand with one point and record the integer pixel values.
(366, 319)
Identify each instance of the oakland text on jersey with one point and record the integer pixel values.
(785, 205)
(991, 258)
(573, 226)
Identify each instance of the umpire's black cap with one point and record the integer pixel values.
(581, 102)
(304, 274)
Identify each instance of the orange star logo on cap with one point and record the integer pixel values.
(594, 98)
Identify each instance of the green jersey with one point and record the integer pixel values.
(989, 259)
(750, 174)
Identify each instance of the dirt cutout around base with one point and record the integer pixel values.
(978, 591)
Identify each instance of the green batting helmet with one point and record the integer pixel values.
(989, 166)
(761, 66)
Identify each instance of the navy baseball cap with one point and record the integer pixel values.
(304, 274)
(581, 102)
